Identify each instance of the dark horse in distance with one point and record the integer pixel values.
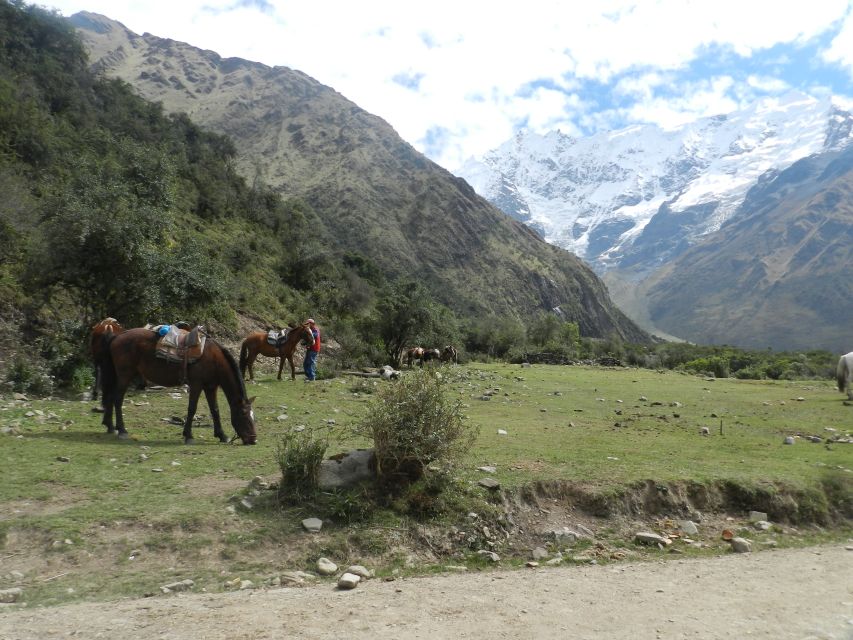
(134, 352)
(256, 344)
(107, 326)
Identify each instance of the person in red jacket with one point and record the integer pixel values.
(311, 352)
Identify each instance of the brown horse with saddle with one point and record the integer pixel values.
(281, 345)
(107, 326)
(174, 358)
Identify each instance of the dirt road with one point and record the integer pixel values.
(799, 594)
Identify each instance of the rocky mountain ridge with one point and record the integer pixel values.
(637, 197)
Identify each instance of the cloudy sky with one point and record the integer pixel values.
(457, 78)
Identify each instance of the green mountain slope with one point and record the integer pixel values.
(373, 193)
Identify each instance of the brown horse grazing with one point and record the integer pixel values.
(415, 353)
(134, 353)
(107, 326)
(450, 354)
(256, 344)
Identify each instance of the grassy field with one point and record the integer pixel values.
(75, 503)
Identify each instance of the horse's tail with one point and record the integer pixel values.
(841, 373)
(109, 377)
(244, 358)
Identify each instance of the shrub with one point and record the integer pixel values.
(29, 376)
(299, 454)
(412, 423)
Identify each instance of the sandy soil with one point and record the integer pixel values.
(799, 594)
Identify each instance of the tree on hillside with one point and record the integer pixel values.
(404, 313)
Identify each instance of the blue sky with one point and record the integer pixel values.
(456, 79)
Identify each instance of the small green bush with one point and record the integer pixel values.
(413, 423)
(29, 376)
(299, 454)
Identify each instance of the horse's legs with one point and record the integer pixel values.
(213, 405)
(96, 382)
(847, 384)
(195, 392)
(249, 362)
(107, 420)
(292, 367)
(118, 401)
(280, 364)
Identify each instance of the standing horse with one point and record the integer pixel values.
(843, 373)
(107, 326)
(415, 353)
(430, 355)
(256, 344)
(134, 353)
(450, 354)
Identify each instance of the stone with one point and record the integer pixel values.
(757, 516)
(347, 470)
(789, 440)
(326, 567)
(762, 525)
(487, 469)
(183, 585)
(741, 545)
(490, 484)
(566, 536)
(312, 524)
(10, 595)
(539, 553)
(360, 571)
(646, 537)
(63, 459)
(501, 432)
(489, 555)
(348, 581)
(688, 526)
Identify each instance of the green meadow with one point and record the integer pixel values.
(76, 503)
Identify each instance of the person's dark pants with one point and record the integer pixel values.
(310, 365)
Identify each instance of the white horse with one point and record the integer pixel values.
(843, 373)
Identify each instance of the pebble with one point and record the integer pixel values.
(348, 581)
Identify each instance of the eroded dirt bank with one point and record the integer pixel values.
(780, 594)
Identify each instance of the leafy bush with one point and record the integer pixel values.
(412, 423)
(29, 376)
(299, 454)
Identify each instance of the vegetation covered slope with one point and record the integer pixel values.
(778, 273)
(374, 193)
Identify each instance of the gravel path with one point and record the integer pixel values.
(799, 594)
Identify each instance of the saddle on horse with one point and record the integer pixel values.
(180, 346)
(277, 337)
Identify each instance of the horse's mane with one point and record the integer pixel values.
(229, 358)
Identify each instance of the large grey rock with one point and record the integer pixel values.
(348, 581)
(688, 526)
(312, 524)
(741, 545)
(646, 537)
(326, 567)
(347, 470)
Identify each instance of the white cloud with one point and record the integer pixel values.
(459, 50)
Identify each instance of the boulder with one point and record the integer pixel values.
(347, 470)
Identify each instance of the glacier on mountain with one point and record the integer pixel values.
(597, 196)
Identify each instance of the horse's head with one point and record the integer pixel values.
(306, 335)
(243, 421)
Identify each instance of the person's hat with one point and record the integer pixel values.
(310, 321)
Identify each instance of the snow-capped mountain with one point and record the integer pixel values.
(637, 197)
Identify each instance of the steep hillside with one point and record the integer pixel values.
(778, 273)
(374, 193)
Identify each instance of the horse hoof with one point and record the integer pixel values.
(189, 440)
(111, 431)
(97, 409)
(123, 435)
